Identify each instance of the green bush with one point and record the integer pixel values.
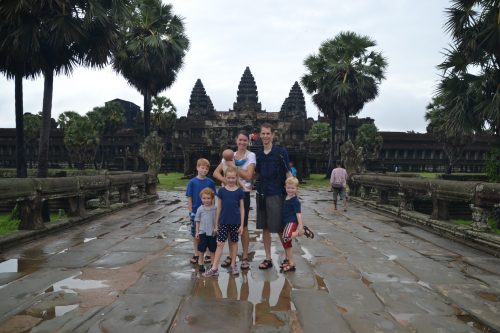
(493, 165)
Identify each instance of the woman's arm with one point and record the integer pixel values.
(248, 173)
(242, 217)
(217, 213)
(218, 173)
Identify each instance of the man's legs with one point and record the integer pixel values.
(266, 237)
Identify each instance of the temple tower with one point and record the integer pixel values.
(200, 104)
(294, 106)
(247, 98)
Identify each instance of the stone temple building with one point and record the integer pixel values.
(206, 132)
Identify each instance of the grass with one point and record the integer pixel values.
(461, 221)
(172, 181)
(7, 226)
(316, 181)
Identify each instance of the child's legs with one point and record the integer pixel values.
(221, 239)
(193, 234)
(245, 239)
(233, 242)
(289, 255)
(202, 247)
(287, 234)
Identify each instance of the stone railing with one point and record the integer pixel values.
(31, 193)
(481, 197)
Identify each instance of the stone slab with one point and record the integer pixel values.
(140, 245)
(213, 315)
(318, 312)
(117, 259)
(352, 295)
(369, 322)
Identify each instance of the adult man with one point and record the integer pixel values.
(338, 179)
(272, 170)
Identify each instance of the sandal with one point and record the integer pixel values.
(244, 264)
(208, 260)
(267, 263)
(284, 263)
(194, 260)
(227, 262)
(308, 232)
(288, 268)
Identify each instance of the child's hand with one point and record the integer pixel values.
(197, 236)
(300, 230)
(216, 231)
(240, 230)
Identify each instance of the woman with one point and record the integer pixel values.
(245, 161)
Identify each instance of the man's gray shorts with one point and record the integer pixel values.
(270, 216)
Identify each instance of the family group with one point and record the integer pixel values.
(277, 204)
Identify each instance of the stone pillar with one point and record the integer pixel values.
(383, 196)
(479, 219)
(30, 211)
(439, 209)
(406, 200)
(365, 192)
(105, 198)
(76, 206)
(124, 194)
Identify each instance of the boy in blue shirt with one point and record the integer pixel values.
(194, 187)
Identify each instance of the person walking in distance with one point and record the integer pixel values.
(338, 179)
(272, 169)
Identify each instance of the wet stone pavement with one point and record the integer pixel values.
(363, 272)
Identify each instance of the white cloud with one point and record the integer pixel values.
(273, 38)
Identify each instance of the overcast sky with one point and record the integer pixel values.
(273, 37)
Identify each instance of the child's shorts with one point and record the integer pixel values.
(228, 230)
(290, 227)
(205, 242)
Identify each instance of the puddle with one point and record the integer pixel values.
(473, 322)
(85, 240)
(21, 265)
(71, 284)
(321, 283)
(181, 240)
(50, 313)
(424, 284)
(307, 255)
(392, 257)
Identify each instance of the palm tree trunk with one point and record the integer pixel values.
(43, 151)
(147, 112)
(21, 171)
(346, 133)
(331, 156)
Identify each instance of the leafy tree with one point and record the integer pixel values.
(65, 117)
(370, 140)
(454, 140)
(151, 50)
(320, 133)
(342, 77)
(152, 151)
(164, 114)
(107, 119)
(81, 140)
(469, 89)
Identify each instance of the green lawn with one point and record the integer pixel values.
(316, 181)
(8, 226)
(172, 181)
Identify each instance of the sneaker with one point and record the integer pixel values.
(211, 272)
(234, 271)
(201, 268)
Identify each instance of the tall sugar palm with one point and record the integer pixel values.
(63, 34)
(342, 77)
(471, 70)
(151, 50)
(16, 46)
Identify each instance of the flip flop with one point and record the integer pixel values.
(267, 263)
(194, 260)
(244, 264)
(227, 262)
(284, 263)
(308, 232)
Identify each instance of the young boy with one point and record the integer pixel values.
(292, 223)
(229, 221)
(205, 226)
(194, 187)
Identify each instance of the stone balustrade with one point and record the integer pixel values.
(31, 193)
(481, 197)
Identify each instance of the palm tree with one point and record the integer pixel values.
(471, 70)
(151, 52)
(62, 34)
(16, 47)
(342, 77)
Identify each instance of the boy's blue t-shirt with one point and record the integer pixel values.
(194, 188)
(290, 209)
(230, 209)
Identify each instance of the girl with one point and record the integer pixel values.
(205, 226)
(229, 220)
(245, 161)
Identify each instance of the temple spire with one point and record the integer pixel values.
(247, 98)
(294, 105)
(200, 104)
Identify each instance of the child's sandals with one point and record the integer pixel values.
(227, 262)
(308, 232)
(284, 263)
(194, 260)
